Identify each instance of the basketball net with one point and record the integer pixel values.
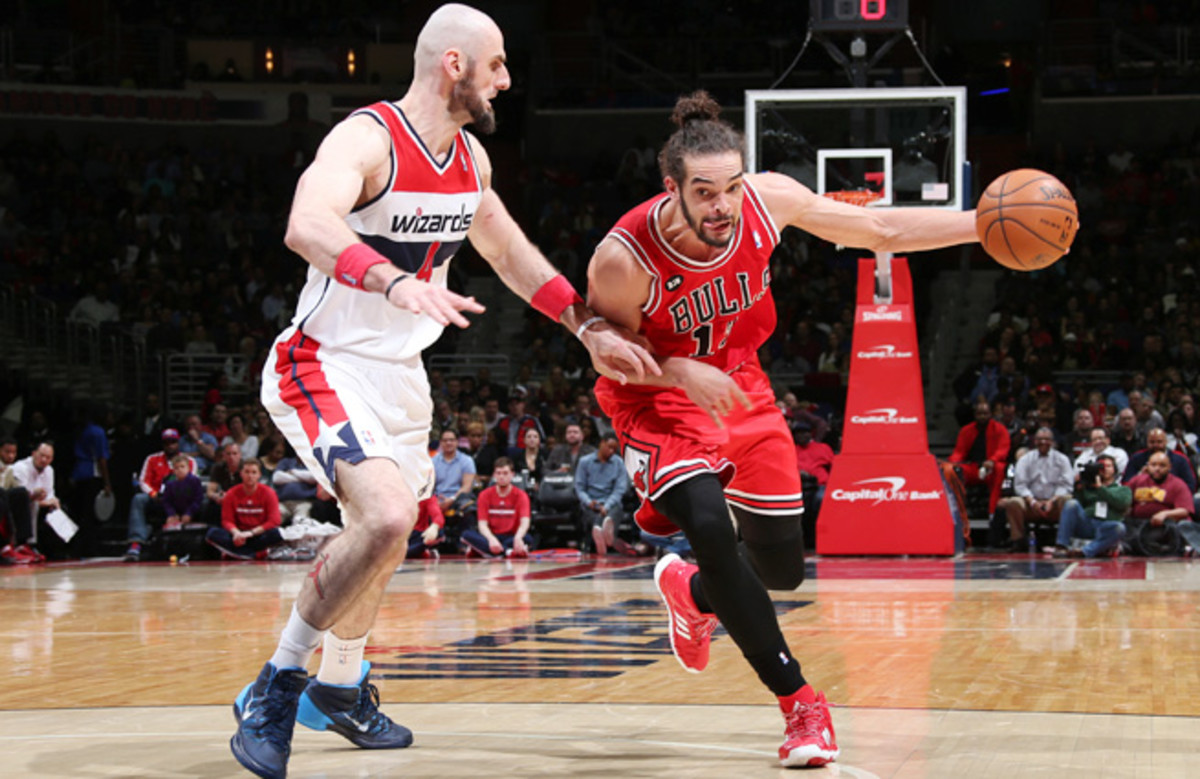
(883, 260)
(855, 197)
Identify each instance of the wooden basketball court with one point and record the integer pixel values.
(982, 667)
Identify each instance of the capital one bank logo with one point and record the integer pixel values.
(891, 491)
(883, 352)
(883, 416)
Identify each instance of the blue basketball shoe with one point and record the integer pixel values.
(266, 715)
(351, 710)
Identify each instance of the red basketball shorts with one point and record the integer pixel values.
(667, 439)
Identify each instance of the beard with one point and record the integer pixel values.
(698, 228)
(464, 98)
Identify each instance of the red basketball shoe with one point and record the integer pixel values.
(808, 729)
(691, 631)
(31, 554)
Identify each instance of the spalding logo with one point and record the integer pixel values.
(1055, 193)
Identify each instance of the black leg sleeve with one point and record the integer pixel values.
(729, 583)
(775, 546)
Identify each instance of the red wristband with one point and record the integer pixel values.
(553, 297)
(353, 263)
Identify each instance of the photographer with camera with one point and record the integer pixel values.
(1101, 443)
(1096, 512)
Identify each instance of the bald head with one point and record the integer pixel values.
(453, 27)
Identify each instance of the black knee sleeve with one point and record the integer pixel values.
(775, 546)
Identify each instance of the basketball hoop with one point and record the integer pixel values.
(855, 197)
(883, 260)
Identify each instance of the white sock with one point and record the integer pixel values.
(297, 643)
(341, 660)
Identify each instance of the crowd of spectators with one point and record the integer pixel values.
(177, 243)
(1116, 480)
(1099, 349)
(191, 264)
(1126, 298)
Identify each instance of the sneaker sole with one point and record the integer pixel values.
(659, 568)
(235, 745)
(249, 763)
(311, 717)
(809, 757)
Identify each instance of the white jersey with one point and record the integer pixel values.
(417, 222)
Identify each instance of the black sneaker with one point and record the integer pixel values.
(133, 553)
(266, 715)
(351, 711)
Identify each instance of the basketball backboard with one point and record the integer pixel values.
(905, 146)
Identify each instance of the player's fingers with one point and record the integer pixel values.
(716, 418)
(461, 302)
(628, 358)
(452, 303)
(452, 315)
(643, 362)
(472, 305)
(428, 306)
(437, 307)
(610, 368)
(741, 397)
(458, 319)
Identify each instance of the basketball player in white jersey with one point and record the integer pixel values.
(392, 193)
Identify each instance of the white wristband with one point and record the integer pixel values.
(586, 324)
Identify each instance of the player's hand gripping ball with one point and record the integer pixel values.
(1026, 219)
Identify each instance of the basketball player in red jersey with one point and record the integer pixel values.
(392, 193)
(689, 271)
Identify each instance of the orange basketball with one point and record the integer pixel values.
(1026, 219)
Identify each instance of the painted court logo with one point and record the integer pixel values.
(890, 489)
(883, 352)
(883, 416)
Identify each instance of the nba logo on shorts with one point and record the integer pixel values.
(366, 436)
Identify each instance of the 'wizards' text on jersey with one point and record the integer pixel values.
(417, 221)
(719, 311)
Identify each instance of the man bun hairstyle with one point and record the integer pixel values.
(700, 132)
(698, 106)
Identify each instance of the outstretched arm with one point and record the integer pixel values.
(876, 229)
(615, 352)
(336, 181)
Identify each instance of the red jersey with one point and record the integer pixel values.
(503, 513)
(155, 470)
(241, 510)
(718, 311)
(429, 512)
